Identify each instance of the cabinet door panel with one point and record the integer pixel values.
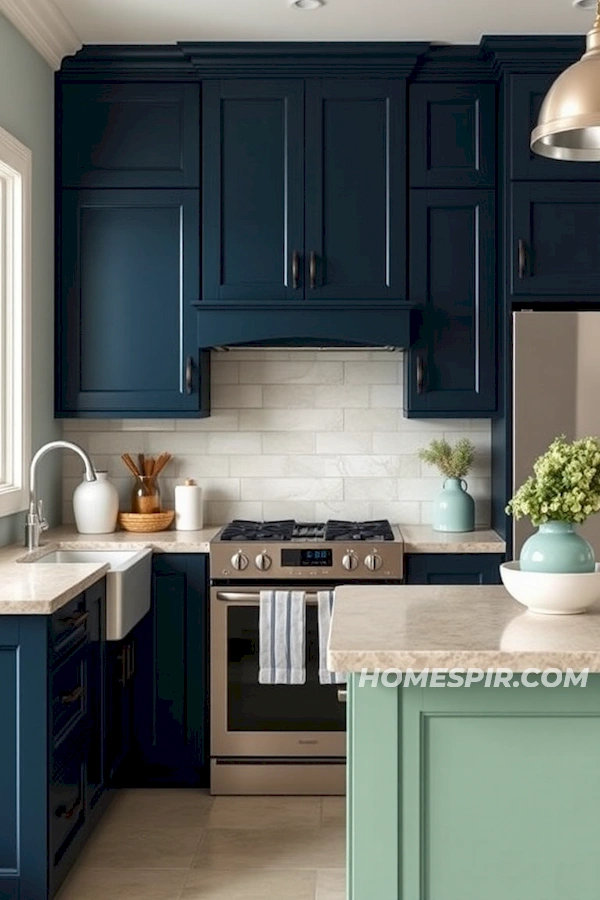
(171, 678)
(253, 193)
(526, 94)
(355, 176)
(451, 367)
(126, 326)
(130, 135)
(453, 568)
(452, 135)
(559, 227)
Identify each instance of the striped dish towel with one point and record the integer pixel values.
(282, 637)
(325, 600)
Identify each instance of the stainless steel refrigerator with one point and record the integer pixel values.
(556, 390)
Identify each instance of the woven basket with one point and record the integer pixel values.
(146, 522)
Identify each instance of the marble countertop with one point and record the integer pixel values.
(423, 539)
(417, 627)
(41, 590)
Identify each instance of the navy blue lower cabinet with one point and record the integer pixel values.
(126, 328)
(171, 683)
(450, 368)
(119, 673)
(452, 568)
(51, 708)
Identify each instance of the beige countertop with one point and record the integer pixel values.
(417, 627)
(26, 588)
(423, 539)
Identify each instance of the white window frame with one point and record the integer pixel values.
(15, 323)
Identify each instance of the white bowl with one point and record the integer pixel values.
(551, 593)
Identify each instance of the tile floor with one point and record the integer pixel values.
(186, 845)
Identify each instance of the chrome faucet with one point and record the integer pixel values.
(35, 523)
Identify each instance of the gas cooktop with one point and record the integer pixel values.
(290, 530)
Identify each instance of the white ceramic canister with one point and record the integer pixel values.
(96, 505)
(188, 506)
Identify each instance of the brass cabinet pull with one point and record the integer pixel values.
(312, 270)
(76, 621)
(522, 254)
(67, 812)
(189, 367)
(420, 374)
(295, 270)
(72, 696)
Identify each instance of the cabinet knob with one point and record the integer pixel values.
(420, 374)
(522, 258)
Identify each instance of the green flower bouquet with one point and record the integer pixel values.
(565, 486)
(562, 493)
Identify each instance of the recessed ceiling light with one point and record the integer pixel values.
(585, 4)
(307, 4)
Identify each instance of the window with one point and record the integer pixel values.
(15, 323)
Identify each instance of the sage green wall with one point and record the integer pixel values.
(27, 112)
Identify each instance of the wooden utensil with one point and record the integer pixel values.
(161, 462)
(130, 464)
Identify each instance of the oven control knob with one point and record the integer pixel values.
(239, 561)
(263, 561)
(373, 562)
(350, 561)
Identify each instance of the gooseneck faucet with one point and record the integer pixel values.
(35, 523)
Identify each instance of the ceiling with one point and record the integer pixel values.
(456, 21)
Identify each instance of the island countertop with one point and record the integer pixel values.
(424, 626)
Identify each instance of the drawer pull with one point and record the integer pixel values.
(522, 254)
(76, 621)
(73, 696)
(342, 696)
(312, 269)
(420, 375)
(295, 270)
(67, 812)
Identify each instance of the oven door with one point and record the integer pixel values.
(267, 720)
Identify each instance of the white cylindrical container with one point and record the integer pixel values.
(188, 506)
(96, 505)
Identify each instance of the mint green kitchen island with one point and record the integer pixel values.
(469, 793)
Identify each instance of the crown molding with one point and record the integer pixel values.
(44, 26)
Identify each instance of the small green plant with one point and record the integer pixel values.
(453, 462)
(565, 485)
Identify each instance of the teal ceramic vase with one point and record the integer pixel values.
(453, 508)
(556, 547)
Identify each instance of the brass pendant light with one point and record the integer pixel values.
(569, 122)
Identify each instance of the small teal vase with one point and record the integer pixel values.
(454, 509)
(556, 547)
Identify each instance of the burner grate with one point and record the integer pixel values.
(339, 530)
(242, 530)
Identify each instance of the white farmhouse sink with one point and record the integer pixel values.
(128, 583)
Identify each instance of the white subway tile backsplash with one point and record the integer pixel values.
(371, 419)
(344, 443)
(301, 371)
(291, 420)
(292, 488)
(310, 435)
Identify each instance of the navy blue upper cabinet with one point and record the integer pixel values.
(126, 328)
(526, 94)
(451, 368)
(452, 135)
(304, 204)
(129, 135)
(555, 241)
(253, 190)
(355, 243)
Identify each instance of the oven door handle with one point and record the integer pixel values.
(243, 597)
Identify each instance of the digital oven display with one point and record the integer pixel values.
(306, 558)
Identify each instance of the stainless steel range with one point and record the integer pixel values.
(283, 739)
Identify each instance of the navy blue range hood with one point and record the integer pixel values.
(332, 325)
